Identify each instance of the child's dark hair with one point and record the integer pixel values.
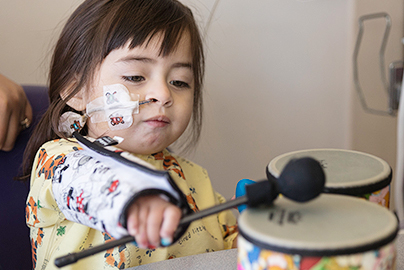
(98, 27)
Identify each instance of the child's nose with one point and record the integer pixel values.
(161, 94)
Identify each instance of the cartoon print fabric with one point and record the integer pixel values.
(93, 189)
(381, 197)
(52, 235)
(251, 257)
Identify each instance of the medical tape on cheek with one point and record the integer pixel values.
(116, 107)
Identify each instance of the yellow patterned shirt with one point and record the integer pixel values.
(53, 236)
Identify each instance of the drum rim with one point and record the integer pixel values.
(354, 188)
(323, 252)
(301, 247)
(360, 190)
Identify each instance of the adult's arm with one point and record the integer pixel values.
(14, 109)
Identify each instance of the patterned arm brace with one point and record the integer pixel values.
(94, 186)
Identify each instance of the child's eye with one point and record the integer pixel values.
(180, 84)
(133, 78)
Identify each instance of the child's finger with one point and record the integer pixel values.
(133, 220)
(154, 223)
(172, 216)
(141, 236)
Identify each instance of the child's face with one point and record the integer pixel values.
(168, 80)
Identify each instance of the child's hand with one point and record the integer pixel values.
(151, 218)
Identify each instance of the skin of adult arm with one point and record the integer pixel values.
(14, 108)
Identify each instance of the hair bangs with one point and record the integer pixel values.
(128, 25)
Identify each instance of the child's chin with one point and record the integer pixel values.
(140, 150)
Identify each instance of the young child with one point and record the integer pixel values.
(111, 57)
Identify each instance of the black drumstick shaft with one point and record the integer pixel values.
(214, 209)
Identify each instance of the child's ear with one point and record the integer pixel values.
(78, 101)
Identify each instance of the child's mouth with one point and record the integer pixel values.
(158, 121)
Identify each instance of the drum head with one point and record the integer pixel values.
(347, 172)
(327, 226)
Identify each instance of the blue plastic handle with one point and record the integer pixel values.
(240, 191)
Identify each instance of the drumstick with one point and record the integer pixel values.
(74, 257)
(301, 180)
